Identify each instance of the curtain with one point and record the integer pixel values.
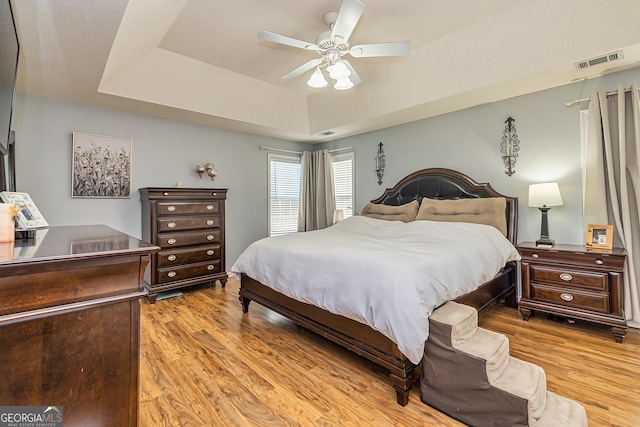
(317, 198)
(612, 180)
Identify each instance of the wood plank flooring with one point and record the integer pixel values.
(205, 363)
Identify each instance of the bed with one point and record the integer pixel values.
(374, 343)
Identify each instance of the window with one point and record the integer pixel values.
(343, 182)
(284, 193)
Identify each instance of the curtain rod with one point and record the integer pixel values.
(577, 101)
(300, 152)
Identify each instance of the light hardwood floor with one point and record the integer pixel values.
(205, 363)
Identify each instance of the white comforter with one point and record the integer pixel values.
(386, 274)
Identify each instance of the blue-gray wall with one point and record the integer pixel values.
(165, 152)
(469, 141)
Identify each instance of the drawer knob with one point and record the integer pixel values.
(165, 194)
(210, 252)
(210, 222)
(171, 257)
(214, 194)
(210, 267)
(566, 277)
(171, 208)
(599, 262)
(535, 256)
(210, 237)
(209, 207)
(566, 297)
(171, 224)
(171, 274)
(171, 241)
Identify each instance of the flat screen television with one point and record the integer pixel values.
(9, 51)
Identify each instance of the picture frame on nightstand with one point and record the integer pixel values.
(599, 237)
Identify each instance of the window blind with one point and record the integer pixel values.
(343, 182)
(284, 193)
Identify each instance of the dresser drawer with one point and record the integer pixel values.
(188, 238)
(188, 223)
(176, 208)
(585, 259)
(565, 276)
(186, 256)
(188, 271)
(592, 301)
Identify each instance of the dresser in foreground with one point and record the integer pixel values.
(70, 323)
(188, 224)
(571, 281)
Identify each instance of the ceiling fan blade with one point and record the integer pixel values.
(354, 77)
(288, 41)
(302, 69)
(348, 16)
(380, 49)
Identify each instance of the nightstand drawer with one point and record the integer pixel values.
(585, 259)
(564, 276)
(591, 301)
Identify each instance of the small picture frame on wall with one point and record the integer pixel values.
(29, 216)
(600, 237)
(101, 166)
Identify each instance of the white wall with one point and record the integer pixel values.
(469, 141)
(164, 152)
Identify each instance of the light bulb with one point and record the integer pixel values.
(339, 71)
(343, 84)
(317, 79)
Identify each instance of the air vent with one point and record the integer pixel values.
(613, 56)
(327, 133)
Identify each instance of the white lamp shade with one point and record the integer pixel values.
(317, 80)
(545, 194)
(339, 71)
(343, 84)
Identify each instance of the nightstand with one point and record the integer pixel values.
(569, 281)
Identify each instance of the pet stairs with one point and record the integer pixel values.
(469, 375)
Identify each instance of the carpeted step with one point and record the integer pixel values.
(462, 319)
(527, 381)
(561, 412)
(490, 346)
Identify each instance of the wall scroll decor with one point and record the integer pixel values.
(101, 166)
(380, 163)
(510, 146)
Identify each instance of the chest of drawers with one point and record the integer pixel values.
(188, 225)
(569, 281)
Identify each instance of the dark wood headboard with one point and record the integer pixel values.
(447, 184)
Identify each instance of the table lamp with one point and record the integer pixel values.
(544, 196)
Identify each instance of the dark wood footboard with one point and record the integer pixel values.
(360, 338)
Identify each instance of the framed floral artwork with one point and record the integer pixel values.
(101, 166)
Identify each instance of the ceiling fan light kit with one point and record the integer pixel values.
(333, 44)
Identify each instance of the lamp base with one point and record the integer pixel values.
(545, 241)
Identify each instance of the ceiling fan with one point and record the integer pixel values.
(333, 44)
